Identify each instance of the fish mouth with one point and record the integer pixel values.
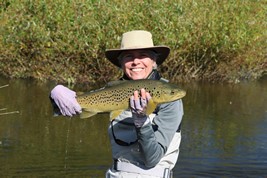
(182, 94)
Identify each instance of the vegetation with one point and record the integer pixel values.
(65, 40)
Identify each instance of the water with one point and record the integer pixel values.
(224, 133)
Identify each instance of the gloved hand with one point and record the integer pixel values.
(66, 101)
(138, 107)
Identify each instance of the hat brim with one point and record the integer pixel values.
(113, 54)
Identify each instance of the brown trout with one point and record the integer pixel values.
(114, 98)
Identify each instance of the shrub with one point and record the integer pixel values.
(65, 40)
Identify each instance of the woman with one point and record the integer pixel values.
(142, 146)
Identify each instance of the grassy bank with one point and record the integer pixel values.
(65, 40)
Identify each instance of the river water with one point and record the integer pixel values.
(224, 133)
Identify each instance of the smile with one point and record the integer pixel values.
(136, 69)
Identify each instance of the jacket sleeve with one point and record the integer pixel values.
(154, 138)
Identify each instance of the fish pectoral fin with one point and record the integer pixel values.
(87, 114)
(114, 114)
(151, 106)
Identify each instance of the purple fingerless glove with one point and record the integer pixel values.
(66, 101)
(138, 108)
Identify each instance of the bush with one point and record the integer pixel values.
(65, 40)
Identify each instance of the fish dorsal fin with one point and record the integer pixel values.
(114, 114)
(116, 82)
(79, 93)
(151, 106)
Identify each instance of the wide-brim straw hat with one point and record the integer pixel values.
(137, 39)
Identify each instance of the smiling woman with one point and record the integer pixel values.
(138, 64)
(157, 133)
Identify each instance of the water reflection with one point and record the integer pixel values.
(223, 129)
(33, 143)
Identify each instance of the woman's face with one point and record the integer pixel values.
(137, 64)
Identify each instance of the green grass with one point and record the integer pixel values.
(65, 40)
